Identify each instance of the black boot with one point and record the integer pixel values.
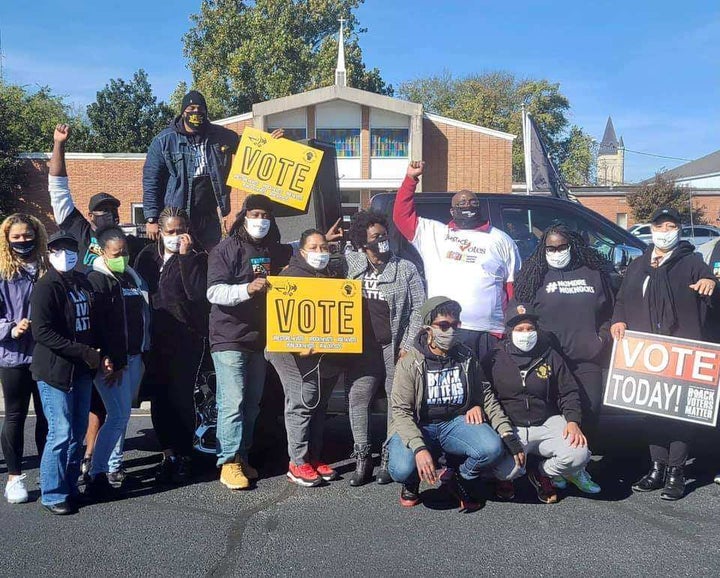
(363, 465)
(383, 476)
(653, 480)
(674, 484)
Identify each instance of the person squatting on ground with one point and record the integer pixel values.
(541, 397)
(393, 293)
(307, 378)
(64, 361)
(667, 292)
(23, 260)
(440, 404)
(237, 281)
(468, 260)
(568, 284)
(187, 167)
(102, 212)
(176, 274)
(123, 332)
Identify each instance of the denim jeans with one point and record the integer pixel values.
(479, 445)
(67, 416)
(117, 399)
(240, 381)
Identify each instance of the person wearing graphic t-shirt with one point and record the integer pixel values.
(440, 404)
(393, 293)
(468, 260)
(124, 334)
(237, 282)
(568, 284)
(64, 360)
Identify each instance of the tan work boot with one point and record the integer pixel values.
(250, 472)
(233, 476)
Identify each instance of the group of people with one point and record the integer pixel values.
(492, 369)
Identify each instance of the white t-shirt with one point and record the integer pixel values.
(471, 267)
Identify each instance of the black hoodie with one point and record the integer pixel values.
(236, 260)
(535, 385)
(659, 300)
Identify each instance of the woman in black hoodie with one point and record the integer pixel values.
(666, 291)
(307, 378)
(568, 284)
(176, 275)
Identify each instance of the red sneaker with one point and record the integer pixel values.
(546, 492)
(410, 495)
(465, 493)
(304, 475)
(325, 471)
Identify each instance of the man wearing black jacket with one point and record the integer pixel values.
(666, 291)
(541, 398)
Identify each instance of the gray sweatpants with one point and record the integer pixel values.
(306, 403)
(362, 381)
(547, 441)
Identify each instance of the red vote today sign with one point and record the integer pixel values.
(665, 376)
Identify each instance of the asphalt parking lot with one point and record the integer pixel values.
(202, 529)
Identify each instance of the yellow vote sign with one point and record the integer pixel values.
(320, 314)
(277, 168)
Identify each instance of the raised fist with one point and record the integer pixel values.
(62, 133)
(415, 169)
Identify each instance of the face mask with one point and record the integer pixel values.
(172, 243)
(23, 247)
(559, 259)
(524, 340)
(444, 339)
(381, 247)
(257, 228)
(105, 220)
(667, 239)
(317, 260)
(63, 261)
(194, 120)
(118, 264)
(466, 218)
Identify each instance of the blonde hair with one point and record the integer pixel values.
(10, 263)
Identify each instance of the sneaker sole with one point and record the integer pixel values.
(234, 486)
(409, 503)
(329, 477)
(304, 483)
(536, 485)
(17, 501)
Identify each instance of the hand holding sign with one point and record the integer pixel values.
(618, 330)
(258, 285)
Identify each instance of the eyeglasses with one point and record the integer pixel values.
(473, 203)
(558, 249)
(445, 325)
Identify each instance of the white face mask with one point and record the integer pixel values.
(172, 243)
(317, 260)
(63, 261)
(257, 228)
(559, 259)
(665, 240)
(524, 340)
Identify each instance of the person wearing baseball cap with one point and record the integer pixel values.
(541, 397)
(667, 291)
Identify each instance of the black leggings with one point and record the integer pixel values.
(669, 440)
(18, 385)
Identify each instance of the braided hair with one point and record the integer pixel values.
(533, 270)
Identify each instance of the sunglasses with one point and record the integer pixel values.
(474, 204)
(445, 325)
(558, 249)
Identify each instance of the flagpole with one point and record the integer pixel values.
(526, 150)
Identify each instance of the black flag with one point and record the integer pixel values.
(542, 176)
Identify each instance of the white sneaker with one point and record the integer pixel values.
(15, 490)
(716, 479)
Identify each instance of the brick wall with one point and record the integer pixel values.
(459, 158)
(610, 206)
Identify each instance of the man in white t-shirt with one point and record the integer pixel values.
(468, 260)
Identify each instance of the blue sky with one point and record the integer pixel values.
(652, 65)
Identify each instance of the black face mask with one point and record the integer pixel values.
(381, 247)
(23, 247)
(467, 217)
(106, 220)
(195, 120)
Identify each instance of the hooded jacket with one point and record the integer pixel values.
(409, 393)
(535, 385)
(576, 305)
(403, 290)
(112, 328)
(237, 320)
(170, 166)
(63, 316)
(659, 300)
(15, 306)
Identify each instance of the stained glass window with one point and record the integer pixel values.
(346, 140)
(389, 142)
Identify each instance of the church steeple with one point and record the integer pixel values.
(340, 78)
(609, 144)
(611, 158)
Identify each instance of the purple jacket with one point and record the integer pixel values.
(14, 306)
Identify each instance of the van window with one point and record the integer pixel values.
(527, 223)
